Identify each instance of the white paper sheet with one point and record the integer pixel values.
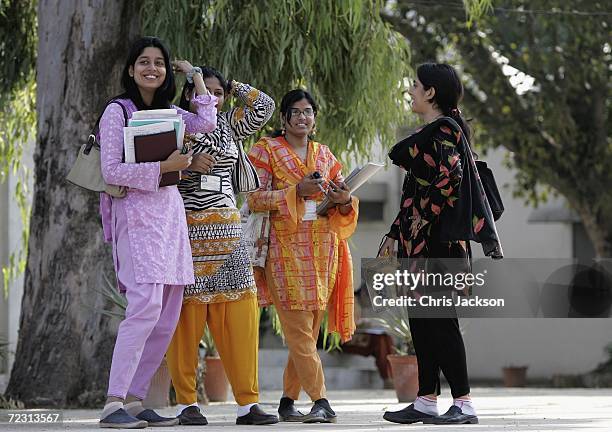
(131, 131)
(157, 113)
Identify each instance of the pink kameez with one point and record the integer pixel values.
(157, 227)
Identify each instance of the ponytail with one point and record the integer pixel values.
(456, 115)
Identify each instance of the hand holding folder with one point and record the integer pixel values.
(157, 148)
(152, 136)
(354, 181)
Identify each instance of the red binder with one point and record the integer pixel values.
(156, 148)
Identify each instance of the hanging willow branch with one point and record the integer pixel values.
(17, 63)
(341, 51)
(18, 127)
(18, 41)
(474, 9)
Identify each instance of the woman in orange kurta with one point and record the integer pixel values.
(308, 267)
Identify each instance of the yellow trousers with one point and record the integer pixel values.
(234, 327)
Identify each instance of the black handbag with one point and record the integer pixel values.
(480, 196)
(486, 178)
(490, 188)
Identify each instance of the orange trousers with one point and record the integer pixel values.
(301, 330)
(304, 369)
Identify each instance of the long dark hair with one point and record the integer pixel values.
(287, 102)
(165, 93)
(207, 72)
(449, 90)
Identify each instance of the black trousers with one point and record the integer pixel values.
(439, 347)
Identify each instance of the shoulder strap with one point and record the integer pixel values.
(96, 128)
(91, 140)
(125, 116)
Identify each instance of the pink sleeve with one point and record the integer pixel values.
(205, 119)
(144, 176)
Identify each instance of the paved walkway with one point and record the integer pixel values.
(499, 409)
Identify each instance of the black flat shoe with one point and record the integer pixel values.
(155, 420)
(121, 419)
(256, 416)
(407, 415)
(321, 412)
(191, 416)
(454, 415)
(287, 411)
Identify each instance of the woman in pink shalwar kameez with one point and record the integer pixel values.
(148, 231)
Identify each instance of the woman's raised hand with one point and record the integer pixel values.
(176, 162)
(181, 66)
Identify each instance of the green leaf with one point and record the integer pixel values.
(422, 182)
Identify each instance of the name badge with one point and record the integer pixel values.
(310, 210)
(211, 182)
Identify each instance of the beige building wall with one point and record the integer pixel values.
(4, 252)
(10, 242)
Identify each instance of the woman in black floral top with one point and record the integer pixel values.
(431, 184)
(437, 184)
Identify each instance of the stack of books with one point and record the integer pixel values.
(152, 136)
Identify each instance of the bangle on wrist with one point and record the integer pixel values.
(189, 75)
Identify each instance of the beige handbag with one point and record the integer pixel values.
(256, 234)
(87, 169)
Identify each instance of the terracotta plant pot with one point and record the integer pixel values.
(215, 380)
(405, 374)
(515, 376)
(158, 396)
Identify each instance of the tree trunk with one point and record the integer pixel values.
(598, 226)
(65, 343)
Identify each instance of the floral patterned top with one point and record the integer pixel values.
(434, 172)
